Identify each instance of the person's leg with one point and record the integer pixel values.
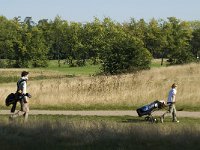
(169, 111)
(22, 112)
(13, 107)
(174, 119)
(15, 115)
(26, 111)
(18, 113)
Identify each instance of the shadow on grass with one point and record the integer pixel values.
(64, 132)
(134, 120)
(139, 120)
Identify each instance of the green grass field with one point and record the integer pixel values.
(74, 71)
(58, 72)
(88, 69)
(94, 132)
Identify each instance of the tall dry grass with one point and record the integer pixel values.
(130, 89)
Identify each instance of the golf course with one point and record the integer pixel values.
(99, 112)
(99, 75)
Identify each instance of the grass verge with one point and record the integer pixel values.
(99, 107)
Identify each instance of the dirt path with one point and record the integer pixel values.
(102, 113)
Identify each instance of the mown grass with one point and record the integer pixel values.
(86, 70)
(93, 132)
(83, 107)
(53, 71)
(13, 75)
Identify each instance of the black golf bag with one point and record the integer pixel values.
(13, 98)
(149, 109)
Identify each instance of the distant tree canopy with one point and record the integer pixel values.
(119, 47)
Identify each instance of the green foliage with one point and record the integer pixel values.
(119, 47)
(178, 35)
(23, 45)
(38, 51)
(122, 52)
(195, 43)
(125, 54)
(155, 38)
(56, 39)
(93, 39)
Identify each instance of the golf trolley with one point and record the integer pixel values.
(147, 110)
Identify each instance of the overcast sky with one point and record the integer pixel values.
(86, 10)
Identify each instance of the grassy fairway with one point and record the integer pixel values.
(76, 132)
(53, 71)
(88, 69)
(75, 71)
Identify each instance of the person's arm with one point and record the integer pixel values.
(173, 95)
(24, 87)
(173, 98)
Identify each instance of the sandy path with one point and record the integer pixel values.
(102, 113)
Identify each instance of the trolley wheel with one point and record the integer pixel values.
(147, 118)
(152, 119)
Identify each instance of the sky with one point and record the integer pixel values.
(86, 10)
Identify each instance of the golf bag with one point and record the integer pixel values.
(149, 109)
(13, 98)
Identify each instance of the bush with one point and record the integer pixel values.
(125, 54)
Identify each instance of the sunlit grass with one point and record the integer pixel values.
(126, 91)
(86, 70)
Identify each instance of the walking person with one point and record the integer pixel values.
(21, 96)
(171, 103)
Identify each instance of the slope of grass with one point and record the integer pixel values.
(53, 71)
(127, 91)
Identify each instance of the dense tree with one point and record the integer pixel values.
(93, 39)
(195, 43)
(44, 26)
(194, 25)
(155, 39)
(37, 50)
(118, 47)
(76, 54)
(56, 39)
(178, 35)
(9, 38)
(125, 54)
(122, 52)
(5, 40)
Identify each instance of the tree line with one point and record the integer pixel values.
(119, 47)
